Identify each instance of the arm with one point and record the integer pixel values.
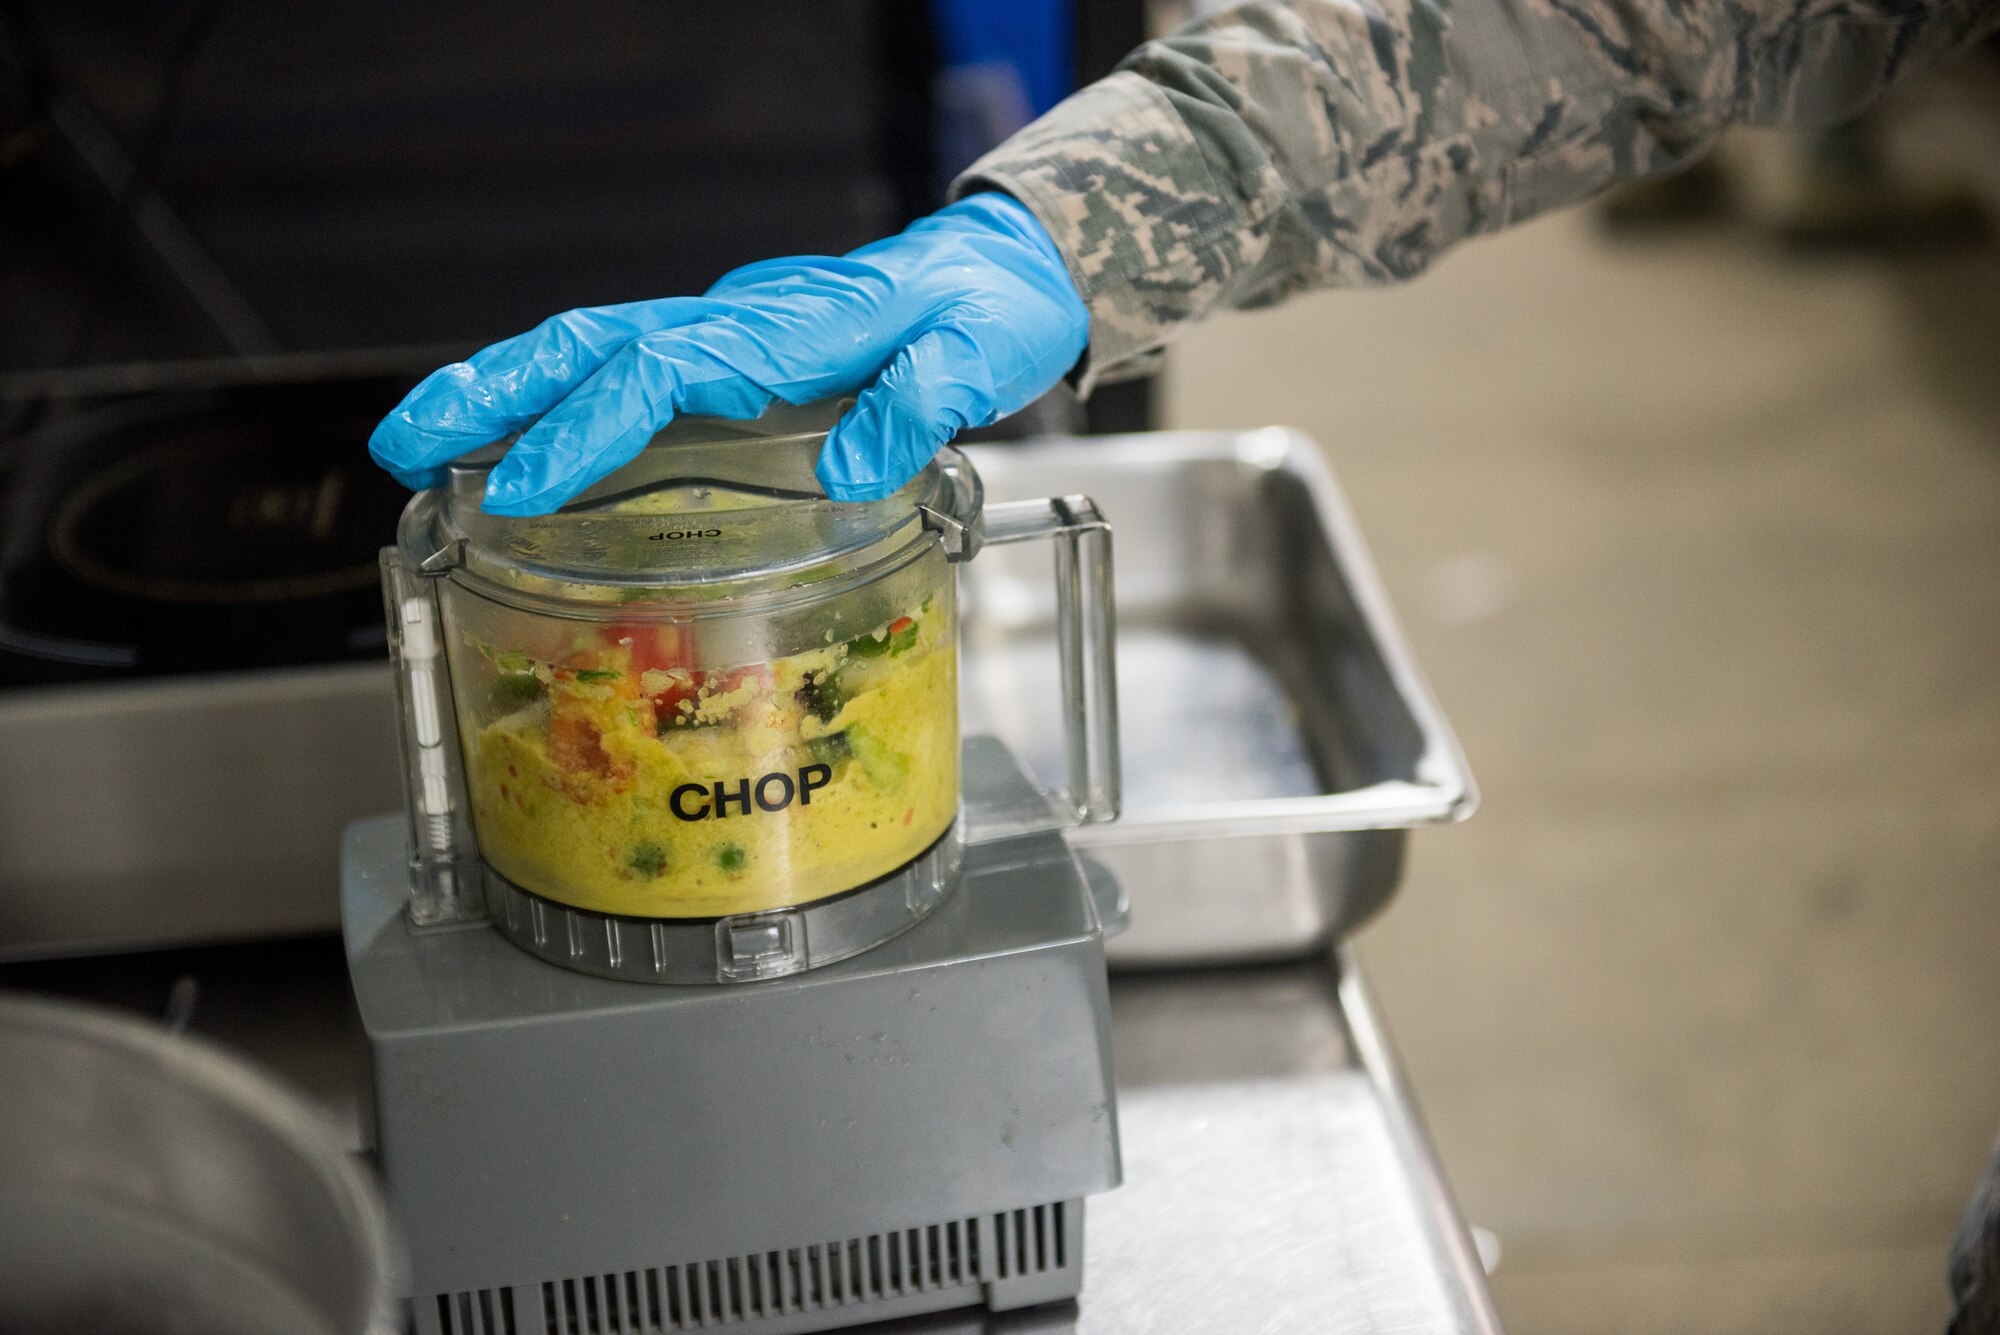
(1273, 148)
(1284, 146)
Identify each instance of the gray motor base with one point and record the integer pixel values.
(909, 1130)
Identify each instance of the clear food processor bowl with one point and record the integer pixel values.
(702, 723)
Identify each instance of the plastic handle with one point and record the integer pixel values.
(1085, 641)
(445, 882)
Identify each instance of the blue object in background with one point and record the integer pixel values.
(1003, 62)
(1034, 37)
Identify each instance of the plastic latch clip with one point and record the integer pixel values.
(759, 945)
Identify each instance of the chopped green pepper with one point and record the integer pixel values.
(830, 749)
(821, 695)
(648, 859)
(598, 674)
(885, 766)
(672, 720)
(900, 635)
(511, 690)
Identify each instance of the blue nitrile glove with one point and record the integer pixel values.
(964, 317)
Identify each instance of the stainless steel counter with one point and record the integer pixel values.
(1277, 1178)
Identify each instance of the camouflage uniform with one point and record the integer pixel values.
(1975, 1260)
(1278, 147)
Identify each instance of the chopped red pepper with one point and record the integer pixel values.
(666, 705)
(653, 647)
(577, 748)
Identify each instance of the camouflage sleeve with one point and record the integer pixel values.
(1281, 146)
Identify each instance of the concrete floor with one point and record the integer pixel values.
(1701, 549)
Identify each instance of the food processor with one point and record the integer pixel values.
(711, 979)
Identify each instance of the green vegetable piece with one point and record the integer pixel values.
(886, 767)
(731, 858)
(513, 661)
(511, 690)
(891, 642)
(598, 674)
(821, 696)
(648, 859)
(830, 749)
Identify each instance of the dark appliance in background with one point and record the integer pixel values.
(259, 178)
(195, 529)
(231, 236)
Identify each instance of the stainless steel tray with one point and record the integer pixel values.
(179, 809)
(1278, 737)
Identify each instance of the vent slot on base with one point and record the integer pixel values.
(1009, 1259)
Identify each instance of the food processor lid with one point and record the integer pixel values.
(711, 506)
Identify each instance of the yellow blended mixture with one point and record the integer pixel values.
(627, 782)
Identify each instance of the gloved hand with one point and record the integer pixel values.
(964, 317)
